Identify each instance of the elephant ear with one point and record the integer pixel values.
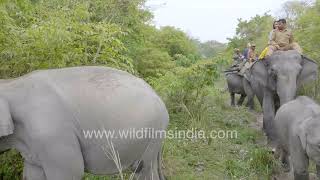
(309, 71)
(304, 129)
(260, 73)
(6, 123)
(302, 134)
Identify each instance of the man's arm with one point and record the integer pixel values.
(273, 38)
(273, 41)
(251, 56)
(291, 38)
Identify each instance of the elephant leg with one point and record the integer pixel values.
(232, 98)
(318, 171)
(268, 116)
(249, 92)
(151, 163)
(250, 103)
(59, 152)
(242, 97)
(63, 161)
(285, 160)
(54, 141)
(32, 172)
(300, 160)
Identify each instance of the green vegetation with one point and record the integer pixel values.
(239, 158)
(36, 34)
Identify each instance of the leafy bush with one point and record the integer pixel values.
(185, 89)
(184, 61)
(33, 40)
(11, 165)
(152, 62)
(175, 41)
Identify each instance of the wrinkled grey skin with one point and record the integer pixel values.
(44, 113)
(239, 85)
(276, 80)
(297, 125)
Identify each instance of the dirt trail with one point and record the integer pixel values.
(263, 142)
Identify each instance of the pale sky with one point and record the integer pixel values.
(209, 19)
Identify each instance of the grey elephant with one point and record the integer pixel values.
(276, 80)
(297, 123)
(237, 84)
(48, 116)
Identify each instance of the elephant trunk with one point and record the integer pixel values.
(286, 98)
(286, 89)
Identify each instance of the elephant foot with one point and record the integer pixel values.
(31, 171)
(151, 167)
(285, 162)
(318, 171)
(272, 143)
(304, 176)
(286, 167)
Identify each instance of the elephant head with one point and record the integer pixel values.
(284, 72)
(6, 123)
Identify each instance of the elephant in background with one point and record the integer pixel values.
(297, 125)
(276, 80)
(48, 115)
(237, 84)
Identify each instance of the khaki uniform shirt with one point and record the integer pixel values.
(282, 38)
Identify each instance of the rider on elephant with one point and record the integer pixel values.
(282, 39)
(237, 57)
(238, 60)
(252, 55)
(265, 51)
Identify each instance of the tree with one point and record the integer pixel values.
(152, 62)
(38, 34)
(308, 30)
(175, 41)
(255, 30)
(211, 49)
(291, 10)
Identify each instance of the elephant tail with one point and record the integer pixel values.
(161, 175)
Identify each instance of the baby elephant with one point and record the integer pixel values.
(298, 126)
